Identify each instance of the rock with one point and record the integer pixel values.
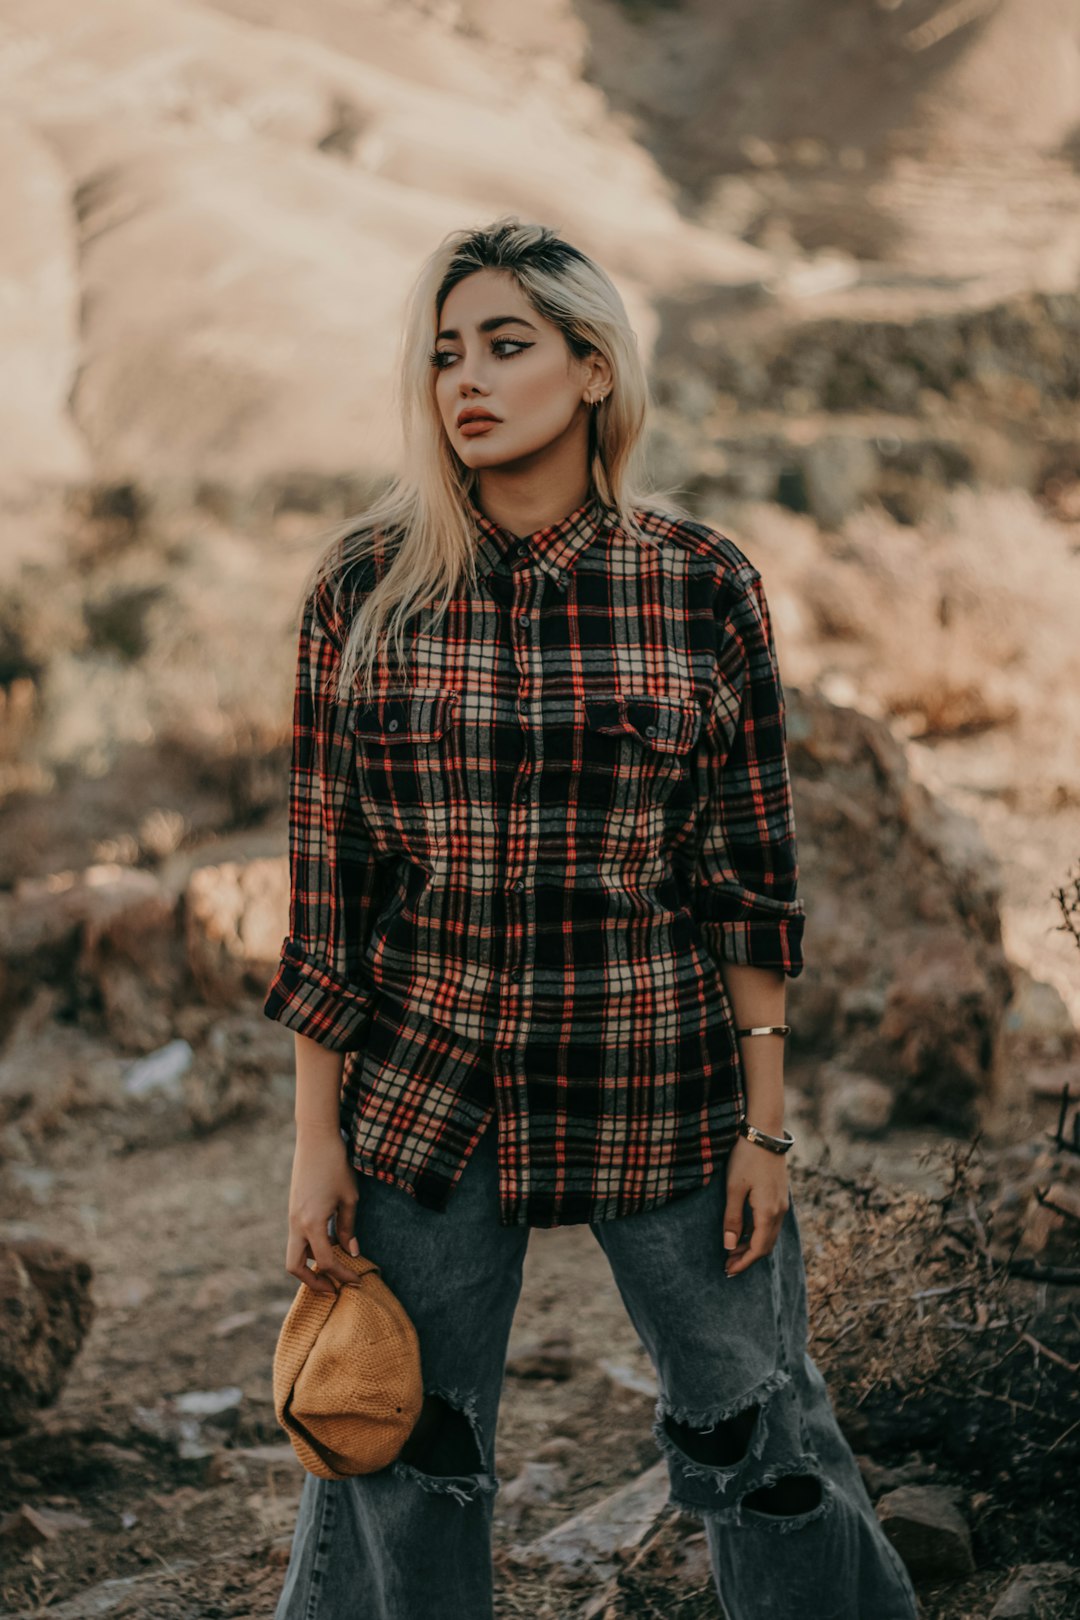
(160, 1071)
(911, 980)
(1032, 1590)
(34, 1179)
(45, 1313)
(235, 917)
(28, 1525)
(593, 1542)
(630, 1378)
(535, 1484)
(928, 1531)
(129, 961)
(548, 1357)
(147, 1594)
(557, 1447)
(179, 1419)
(208, 1402)
(105, 939)
(1039, 1016)
(861, 1106)
(938, 1015)
(272, 1453)
(839, 471)
(233, 1323)
(1051, 1229)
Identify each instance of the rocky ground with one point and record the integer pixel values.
(158, 1484)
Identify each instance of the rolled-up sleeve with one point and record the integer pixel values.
(745, 892)
(334, 879)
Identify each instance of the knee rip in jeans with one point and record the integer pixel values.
(445, 1451)
(719, 1446)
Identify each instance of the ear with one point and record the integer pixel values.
(599, 376)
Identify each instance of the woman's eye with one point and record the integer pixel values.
(438, 356)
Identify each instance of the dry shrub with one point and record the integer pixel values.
(935, 1336)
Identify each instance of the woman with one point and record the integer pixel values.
(543, 909)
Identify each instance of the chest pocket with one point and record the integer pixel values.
(402, 768)
(636, 751)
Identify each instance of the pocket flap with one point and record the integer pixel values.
(669, 724)
(396, 717)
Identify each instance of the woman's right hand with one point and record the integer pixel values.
(323, 1184)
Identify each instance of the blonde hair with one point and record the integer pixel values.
(424, 509)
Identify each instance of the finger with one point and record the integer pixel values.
(296, 1266)
(345, 1223)
(734, 1213)
(761, 1244)
(743, 1229)
(328, 1263)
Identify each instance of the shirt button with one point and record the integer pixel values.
(650, 731)
(519, 884)
(392, 725)
(516, 974)
(523, 618)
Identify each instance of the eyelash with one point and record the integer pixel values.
(438, 355)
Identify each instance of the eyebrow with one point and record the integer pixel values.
(489, 325)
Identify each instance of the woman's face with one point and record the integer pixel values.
(493, 352)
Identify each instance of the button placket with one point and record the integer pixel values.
(512, 1034)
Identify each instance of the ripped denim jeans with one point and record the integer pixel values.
(743, 1419)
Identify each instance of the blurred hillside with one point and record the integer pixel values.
(848, 238)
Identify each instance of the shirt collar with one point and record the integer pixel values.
(556, 548)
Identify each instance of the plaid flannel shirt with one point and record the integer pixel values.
(516, 869)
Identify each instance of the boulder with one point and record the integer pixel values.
(45, 1313)
(105, 938)
(910, 981)
(928, 1531)
(235, 917)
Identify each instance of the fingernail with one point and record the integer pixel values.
(354, 1248)
(730, 1240)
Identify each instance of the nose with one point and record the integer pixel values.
(468, 380)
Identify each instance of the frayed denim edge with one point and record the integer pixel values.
(780, 1524)
(721, 1475)
(453, 1484)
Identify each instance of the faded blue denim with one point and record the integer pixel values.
(402, 1544)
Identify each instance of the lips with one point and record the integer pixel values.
(471, 425)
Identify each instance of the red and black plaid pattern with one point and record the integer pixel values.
(516, 866)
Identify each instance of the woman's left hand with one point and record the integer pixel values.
(753, 1173)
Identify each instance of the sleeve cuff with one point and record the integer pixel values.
(757, 942)
(308, 997)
